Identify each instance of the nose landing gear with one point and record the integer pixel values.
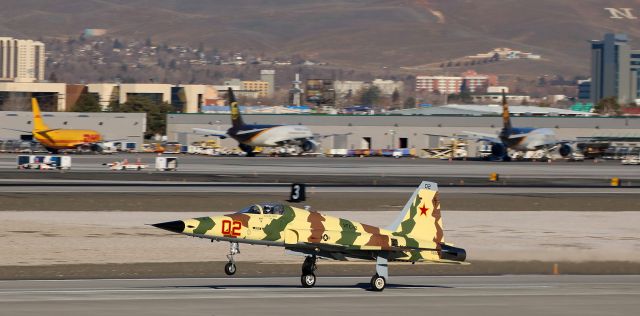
(230, 267)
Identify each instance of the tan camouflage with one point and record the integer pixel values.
(416, 236)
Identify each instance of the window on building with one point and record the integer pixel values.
(404, 142)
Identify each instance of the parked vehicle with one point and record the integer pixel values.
(126, 165)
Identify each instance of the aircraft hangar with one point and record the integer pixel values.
(404, 131)
(124, 127)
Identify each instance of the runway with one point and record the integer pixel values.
(464, 295)
(370, 166)
(112, 186)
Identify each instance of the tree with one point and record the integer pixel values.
(463, 97)
(370, 95)
(409, 103)
(53, 77)
(156, 113)
(608, 105)
(117, 44)
(87, 103)
(395, 97)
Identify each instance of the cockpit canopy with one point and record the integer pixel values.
(264, 208)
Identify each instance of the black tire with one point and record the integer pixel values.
(230, 268)
(378, 283)
(308, 280)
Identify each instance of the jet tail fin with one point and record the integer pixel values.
(420, 219)
(38, 123)
(236, 118)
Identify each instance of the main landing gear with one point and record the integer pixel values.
(308, 278)
(230, 267)
(378, 283)
(379, 280)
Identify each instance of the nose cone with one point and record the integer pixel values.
(175, 226)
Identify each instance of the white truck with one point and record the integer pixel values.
(43, 162)
(166, 163)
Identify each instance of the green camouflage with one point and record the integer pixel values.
(417, 235)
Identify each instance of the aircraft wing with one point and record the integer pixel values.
(210, 132)
(109, 140)
(480, 137)
(338, 252)
(18, 130)
(517, 135)
(440, 135)
(330, 135)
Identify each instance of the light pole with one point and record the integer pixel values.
(392, 133)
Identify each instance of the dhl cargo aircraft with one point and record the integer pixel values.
(55, 139)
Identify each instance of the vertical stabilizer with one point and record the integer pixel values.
(420, 219)
(38, 123)
(236, 119)
(506, 116)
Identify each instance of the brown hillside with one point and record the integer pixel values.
(359, 33)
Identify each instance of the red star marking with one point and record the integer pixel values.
(423, 210)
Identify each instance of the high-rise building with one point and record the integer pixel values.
(584, 90)
(269, 75)
(614, 69)
(259, 86)
(21, 60)
(452, 84)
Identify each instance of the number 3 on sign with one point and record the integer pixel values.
(231, 228)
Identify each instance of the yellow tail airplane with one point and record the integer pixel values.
(54, 139)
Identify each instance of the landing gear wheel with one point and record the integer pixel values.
(247, 149)
(230, 268)
(308, 280)
(378, 283)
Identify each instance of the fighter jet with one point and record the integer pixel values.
(416, 235)
(251, 136)
(521, 139)
(55, 139)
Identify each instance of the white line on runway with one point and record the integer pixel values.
(316, 295)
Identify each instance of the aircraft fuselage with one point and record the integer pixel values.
(533, 139)
(67, 138)
(271, 135)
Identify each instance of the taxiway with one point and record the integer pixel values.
(463, 295)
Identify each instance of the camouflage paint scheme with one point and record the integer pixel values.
(416, 236)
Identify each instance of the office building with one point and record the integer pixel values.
(268, 76)
(470, 82)
(21, 60)
(614, 69)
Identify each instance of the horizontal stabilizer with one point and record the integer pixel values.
(211, 132)
(480, 136)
